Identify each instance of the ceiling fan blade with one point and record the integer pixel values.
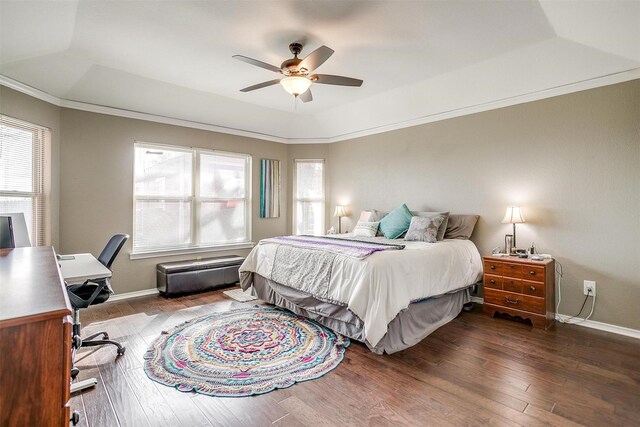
(316, 58)
(260, 85)
(327, 79)
(306, 96)
(258, 63)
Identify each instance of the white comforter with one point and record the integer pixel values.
(379, 287)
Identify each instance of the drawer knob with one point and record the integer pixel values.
(510, 301)
(533, 288)
(493, 281)
(533, 273)
(493, 267)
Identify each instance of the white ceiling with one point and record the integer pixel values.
(418, 59)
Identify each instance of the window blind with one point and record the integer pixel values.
(309, 204)
(24, 175)
(189, 198)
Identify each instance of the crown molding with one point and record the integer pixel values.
(101, 109)
(119, 112)
(28, 90)
(593, 83)
(606, 80)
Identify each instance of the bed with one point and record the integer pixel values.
(390, 299)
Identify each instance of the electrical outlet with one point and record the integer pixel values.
(590, 285)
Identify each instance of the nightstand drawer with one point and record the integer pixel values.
(492, 267)
(512, 270)
(533, 272)
(515, 301)
(494, 282)
(512, 285)
(535, 289)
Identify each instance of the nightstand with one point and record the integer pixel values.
(520, 287)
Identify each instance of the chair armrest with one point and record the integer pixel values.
(78, 302)
(107, 282)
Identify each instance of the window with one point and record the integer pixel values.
(23, 169)
(189, 198)
(309, 197)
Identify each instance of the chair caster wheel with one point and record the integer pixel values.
(121, 351)
(76, 341)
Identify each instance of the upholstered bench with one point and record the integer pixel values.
(181, 277)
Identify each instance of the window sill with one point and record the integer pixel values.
(186, 251)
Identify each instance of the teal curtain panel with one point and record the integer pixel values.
(269, 188)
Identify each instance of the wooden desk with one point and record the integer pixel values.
(35, 339)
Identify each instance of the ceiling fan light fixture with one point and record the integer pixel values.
(296, 85)
(295, 75)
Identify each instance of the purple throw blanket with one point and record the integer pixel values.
(348, 247)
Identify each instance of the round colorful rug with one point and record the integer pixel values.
(244, 352)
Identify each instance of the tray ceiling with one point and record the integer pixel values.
(418, 59)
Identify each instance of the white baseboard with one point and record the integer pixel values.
(607, 327)
(477, 300)
(127, 295)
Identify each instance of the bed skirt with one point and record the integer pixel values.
(408, 328)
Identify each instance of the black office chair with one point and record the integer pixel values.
(7, 240)
(94, 292)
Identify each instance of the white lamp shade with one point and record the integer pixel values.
(340, 211)
(513, 215)
(295, 85)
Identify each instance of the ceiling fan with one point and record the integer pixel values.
(297, 72)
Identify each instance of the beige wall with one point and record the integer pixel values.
(97, 185)
(572, 162)
(32, 110)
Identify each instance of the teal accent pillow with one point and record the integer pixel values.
(396, 222)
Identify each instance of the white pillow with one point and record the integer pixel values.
(366, 229)
(365, 216)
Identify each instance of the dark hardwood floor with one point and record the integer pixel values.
(473, 371)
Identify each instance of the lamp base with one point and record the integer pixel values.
(517, 251)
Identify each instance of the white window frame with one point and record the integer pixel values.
(41, 179)
(195, 201)
(297, 200)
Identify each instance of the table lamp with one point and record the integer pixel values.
(513, 216)
(340, 212)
